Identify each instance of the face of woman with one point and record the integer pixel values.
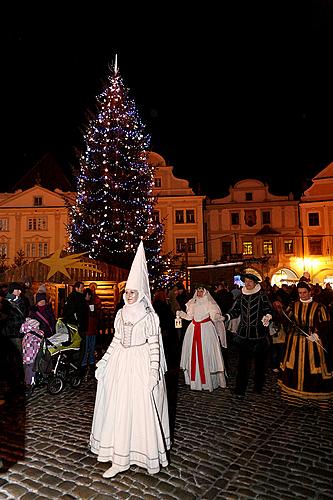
(131, 296)
(200, 292)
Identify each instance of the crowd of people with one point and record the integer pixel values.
(287, 329)
(27, 319)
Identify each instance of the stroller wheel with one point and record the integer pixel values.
(55, 385)
(75, 380)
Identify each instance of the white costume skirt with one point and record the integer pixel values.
(130, 423)
(212, 359)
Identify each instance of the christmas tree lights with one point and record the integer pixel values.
(114, 204)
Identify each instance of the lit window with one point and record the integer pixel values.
(268, 247)
(247, 247)
(288, 246)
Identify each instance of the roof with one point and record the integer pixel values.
(48, 173)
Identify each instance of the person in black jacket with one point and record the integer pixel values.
(17, 313)
(252, 337)
(75, 313)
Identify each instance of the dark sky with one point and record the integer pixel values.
(241, 92)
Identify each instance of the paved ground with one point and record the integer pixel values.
(224, 447)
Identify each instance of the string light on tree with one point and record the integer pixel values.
(114, 205)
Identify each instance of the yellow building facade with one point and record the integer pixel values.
(316, 220)
(289, 236)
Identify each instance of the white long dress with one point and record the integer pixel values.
(206, 373)
(131, 422)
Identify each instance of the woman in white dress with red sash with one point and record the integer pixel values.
(131, 423)
(201, 357)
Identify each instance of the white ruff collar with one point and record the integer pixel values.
(306, 301)
(256, 289)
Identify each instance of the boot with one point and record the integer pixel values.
(113, 471)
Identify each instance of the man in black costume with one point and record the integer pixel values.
(252, 337)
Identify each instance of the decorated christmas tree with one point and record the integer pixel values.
(114, 205)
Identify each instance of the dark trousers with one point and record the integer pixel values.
(245, 359)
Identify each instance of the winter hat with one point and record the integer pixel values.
(138, 275)
(14, 286)
(42, 288)
(40, 296)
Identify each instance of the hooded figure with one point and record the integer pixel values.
(131, 422)
(201, 357)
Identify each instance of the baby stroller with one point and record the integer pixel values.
(57, 360)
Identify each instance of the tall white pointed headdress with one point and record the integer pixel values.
(138, 276)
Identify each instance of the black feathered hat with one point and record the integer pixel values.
(250, 276)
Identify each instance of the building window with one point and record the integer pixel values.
(38, 201)
(156, 216)
(288, 246)
(315, 247)
(179, 216)
(234, 218)
(191, 245)
(181, 245)
(248, 196)
(157, 182)
(190, 216)
(36, 249)
(247, 248)
(313, 219)
(226, 247)
(3, 224)
(3, 250)
(268, 247)
(37, 224)
(266, 217)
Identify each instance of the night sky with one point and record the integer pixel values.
(244, 92)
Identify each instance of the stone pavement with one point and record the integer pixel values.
(224, 447)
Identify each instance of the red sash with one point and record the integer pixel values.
(197, 346)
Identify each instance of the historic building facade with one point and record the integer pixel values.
(285, 236)
(251, 223)
(316, 221)
(181, 212)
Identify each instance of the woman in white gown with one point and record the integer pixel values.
(201, 357)
(131, 421)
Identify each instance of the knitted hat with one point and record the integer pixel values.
(40, 296)
(42, 288)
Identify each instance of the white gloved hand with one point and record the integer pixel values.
(313, 337)
(182, 314)
(153, 379)
(177, 314)
(266, 319)
(100, 369)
